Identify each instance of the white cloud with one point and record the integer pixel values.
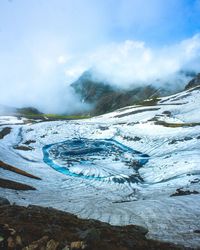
(133, 62)
(41, 75)
(45, 46)
(63, 59)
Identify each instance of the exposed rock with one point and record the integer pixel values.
(187, 138)
(67, 247)
(174, 141)
(17, 170)
(78, 245)
(128, 138)
(136, 112)
(18, 240)
(180, 192)
(193, 83)
(103, 128)
(52, 245)
(39, 244)
(4, 201)
(9, 239)
(29, 142)
(5, 183)
(196, 180)
(24, 148)
(105, 97)
(67, 232)
(5, 131)
(167, 113)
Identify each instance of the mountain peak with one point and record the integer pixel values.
(194, 82)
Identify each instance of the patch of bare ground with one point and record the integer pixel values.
(180, 192)
(24, 148)
(176, 125)
(136, 112)
(29, 142)
(5, 131)
(156, 121)
(5, 183)
(39, 228)
(17, 170)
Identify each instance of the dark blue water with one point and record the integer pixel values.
(95, 159)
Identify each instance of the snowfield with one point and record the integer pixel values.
(168, 132)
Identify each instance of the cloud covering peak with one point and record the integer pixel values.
(130, 63)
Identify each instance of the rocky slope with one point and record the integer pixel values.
(39, 228)
(194, 82)
(106, 98)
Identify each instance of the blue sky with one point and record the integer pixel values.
(45, 44)
(93, 22)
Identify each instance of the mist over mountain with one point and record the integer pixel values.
(104, 97)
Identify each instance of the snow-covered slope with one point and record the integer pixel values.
(168, 132)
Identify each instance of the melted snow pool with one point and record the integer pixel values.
(101, 160)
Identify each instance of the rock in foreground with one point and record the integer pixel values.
(36, 227)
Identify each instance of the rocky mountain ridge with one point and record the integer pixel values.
(104, 97)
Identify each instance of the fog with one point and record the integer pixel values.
(132, 63)
(46, 45)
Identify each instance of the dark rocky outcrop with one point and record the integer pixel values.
(194, 82)
(5, 183)
(104, 97)
(22, 147)
(180, 192)
(17, 170)
(5, 131)
(4, 201)
(36, 227)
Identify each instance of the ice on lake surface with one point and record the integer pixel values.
(95, 159)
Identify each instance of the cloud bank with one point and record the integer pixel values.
(124, 65)
(132, 63)
(46, 45)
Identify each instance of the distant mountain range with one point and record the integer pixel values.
(106, 98)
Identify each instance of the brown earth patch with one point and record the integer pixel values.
(24, 148)
(17, 170)
(136, 112)
(5, 183)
